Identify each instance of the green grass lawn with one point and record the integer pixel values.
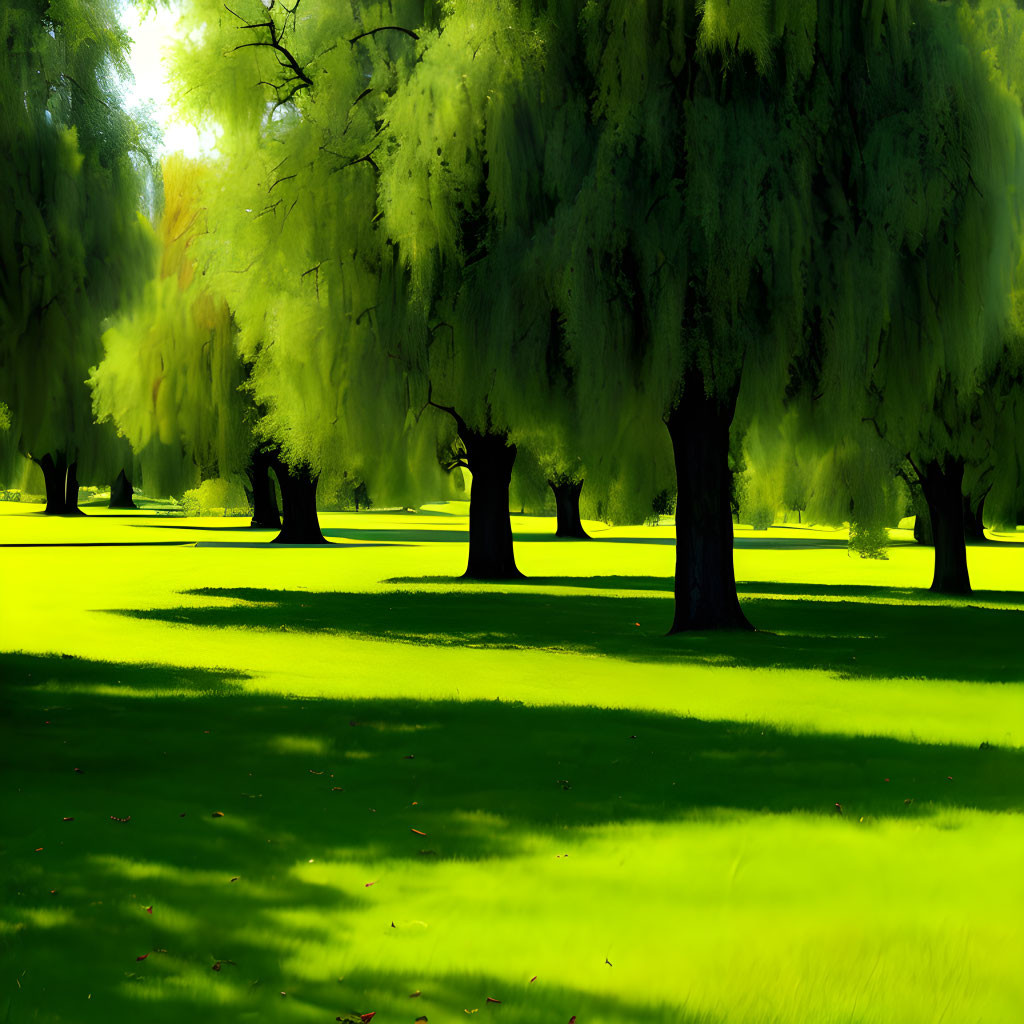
(252, 783)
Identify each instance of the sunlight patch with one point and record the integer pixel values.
(300, 745)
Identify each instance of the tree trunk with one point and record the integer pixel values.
(121, 492)
(71, 491)
(265, 513)
(974, 527)
(705, 585)
(55, 472)
(567, 507)
(490, 458)
(923, 526)
(298, 495)
(941, 484)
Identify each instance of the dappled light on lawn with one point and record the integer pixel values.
(451, 789)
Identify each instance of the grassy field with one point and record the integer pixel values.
(252, 783)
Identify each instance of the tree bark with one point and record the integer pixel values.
(567, 507)
(974, 527)
(71, 491)
(941, 484)
(55, 472)
(923, 526)
(298, 495)
(265, 513)
(490, 458)
(121, 492)
(705, 584)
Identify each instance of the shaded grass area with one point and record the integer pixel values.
(865, 633)
(644, 865)
(312, 870)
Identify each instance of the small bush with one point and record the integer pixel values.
(869, 541)
(215, 498)
(664, 504)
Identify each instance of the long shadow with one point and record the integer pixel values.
(103, 544)
(850, 638)
(19, 670)
(190, 526)
(201, 806)
(665, 585)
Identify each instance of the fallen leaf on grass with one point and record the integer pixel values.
(368, 884)
(217, 814)
(235, 879)
(365, 1017)
(337, 789)
(416, 831)
(311, 772)
(149, 910)
(413, 995)
(490, 1000)
(533, 979)
(420, 1020)
(68, 819)
(123, 821)
(77, 770)
(143, 957)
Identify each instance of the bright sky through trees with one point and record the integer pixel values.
(150, 32)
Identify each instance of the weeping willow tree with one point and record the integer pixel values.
(769, 191)
(465, 208)
(293, 240)
(171, 378)
(71, 245)
(373, 234)
(679, 155)
(929, 221)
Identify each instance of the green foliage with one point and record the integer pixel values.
(171, 377)
(216, 497)
(71, 166)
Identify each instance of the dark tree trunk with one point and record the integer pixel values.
(121, 492)
(265, 513)
(55, 472)
(923, 526)
(974, 527)
(298, 495)
(490, 459)
(71, 491)
(567, 507)
(941, 484)
(705, 586)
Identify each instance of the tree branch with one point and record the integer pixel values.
(383, 28)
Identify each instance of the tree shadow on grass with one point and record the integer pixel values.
(207, 807)
(852, 638)
(18, 670)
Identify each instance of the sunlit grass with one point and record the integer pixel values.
(519, 778)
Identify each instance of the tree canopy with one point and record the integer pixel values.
(72, 246)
